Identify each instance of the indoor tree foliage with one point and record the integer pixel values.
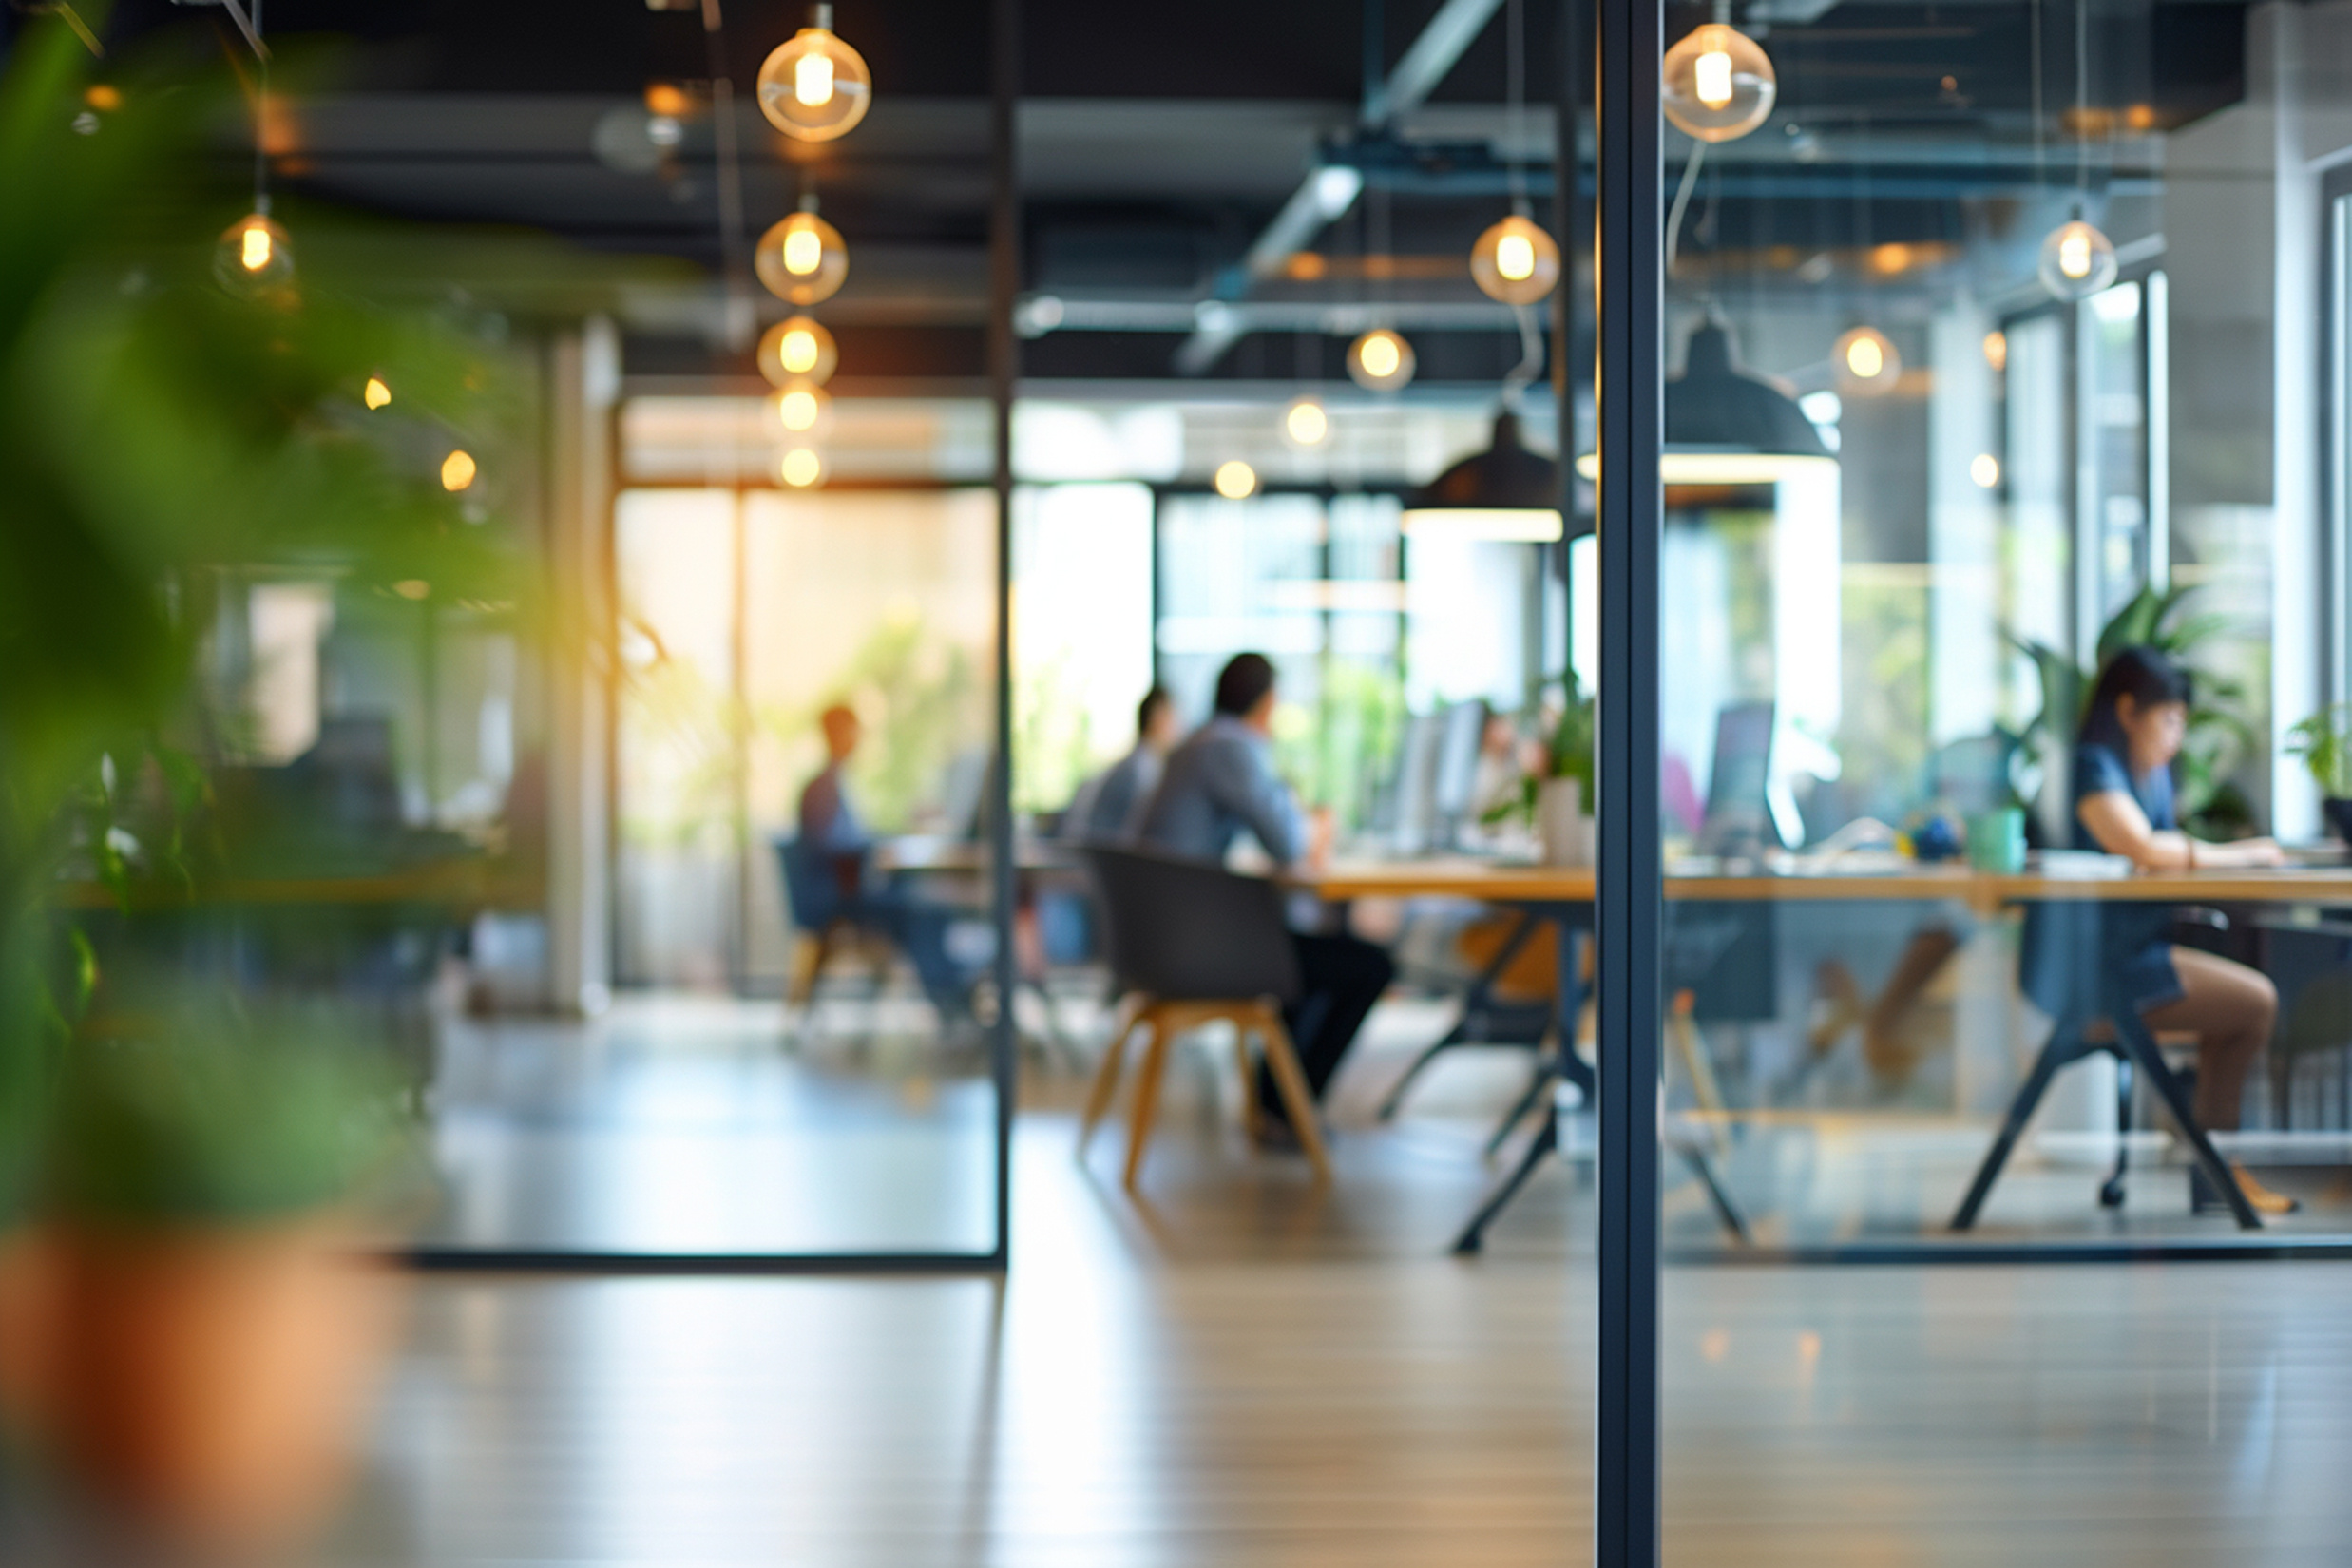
(159, 440)
(2218, 737)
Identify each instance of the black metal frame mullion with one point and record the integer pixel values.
(1630, 404)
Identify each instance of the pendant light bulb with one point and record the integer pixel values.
(800, 467)
(253, 260)
(1306, 422)
(2076, 259)
(802, 407)
(1380, 361)
(815, 87)
(802, 260)
(1719, 85)
(1867, 362)
(797, 350)
(1515, 261)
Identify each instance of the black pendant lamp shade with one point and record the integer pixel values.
(1504, 492)
(1715, 405)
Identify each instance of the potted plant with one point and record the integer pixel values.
(185, 1167)
(2324, 743)
(1563, 795)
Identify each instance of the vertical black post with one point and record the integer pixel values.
(1627, 912)
(1003, 365)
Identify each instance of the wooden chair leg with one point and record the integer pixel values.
(1695, 1061)
(1106, 1071)
(1147, 1093)
(812, 954)
(1248, 1077)
(1292, 1083)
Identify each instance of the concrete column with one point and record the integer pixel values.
(583, 373)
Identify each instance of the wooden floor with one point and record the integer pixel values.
(1243, 1373)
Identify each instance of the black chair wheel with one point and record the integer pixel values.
(2110, 1192)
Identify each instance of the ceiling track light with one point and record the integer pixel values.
(815, 87)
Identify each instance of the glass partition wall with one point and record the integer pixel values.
(2002, 316)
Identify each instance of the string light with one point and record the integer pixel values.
(1515, 261)
(800, 467)
(1380, 361)
(375, 394)
(1306, 422)
(802, 408)
(1236, 480)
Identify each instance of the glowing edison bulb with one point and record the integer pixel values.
(800, 408)
(1985, 470)
(1996, 350)
(1306, 422)
(2076, 260)
(1235, 481)
(457, 471)
(800, 467)
(253, 258)
(796, 348)
(815, 87)
(802, 260)
(812, 79)
(1718, 84)
(1380, 361)
(1867, 362)
(375, 394)
(1710, 77)
(1515, 261)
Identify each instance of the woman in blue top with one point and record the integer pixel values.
(2123, 805)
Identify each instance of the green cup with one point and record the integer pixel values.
(1997, 841)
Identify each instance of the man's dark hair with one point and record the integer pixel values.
(1245, 678)
(1155, 699)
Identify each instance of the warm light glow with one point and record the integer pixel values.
(1891, 258)
(1865, 362)
(376, 394)
(813, 86)
(812, 79)
(1864, 357)
(103, 96)
(800, 467)
(1712, 78)
(668, 100)
(457, 471)
(253, 252)
(1306, 422)
(1515, 257)
(798, 352)
(415, 587)
(2074, 254)
(1236, 480)
(1996, 350)
(1985, 470)
(2076, 260)
(802, 260)
(799, 408)
(1380, 361)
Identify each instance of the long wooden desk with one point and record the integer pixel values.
(1565, 895)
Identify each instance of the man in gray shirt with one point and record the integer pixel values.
(1107, 807)
(1220, 784)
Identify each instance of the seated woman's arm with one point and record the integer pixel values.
(2121, 828)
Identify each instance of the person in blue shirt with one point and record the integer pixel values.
(1107, 807)
(1218, 787)
(2131, 732)
(830, 824)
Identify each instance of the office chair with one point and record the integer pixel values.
(815, 904)
(1191, 945)
(2095, 1015)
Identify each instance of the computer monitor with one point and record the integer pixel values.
(1739, 808)
(1414, 821)
(1454, 790)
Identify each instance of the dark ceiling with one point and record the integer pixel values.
(1158, 142)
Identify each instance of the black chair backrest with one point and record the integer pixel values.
(1184, 931)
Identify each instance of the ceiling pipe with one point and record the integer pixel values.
(1320, 197)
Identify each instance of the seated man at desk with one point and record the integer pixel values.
(2123, 805)
(831, 826)
(1220, 784)
(1107, 807)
